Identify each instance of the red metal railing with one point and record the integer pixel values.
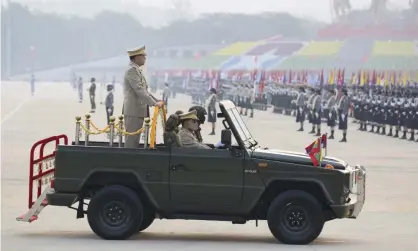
(35, 176)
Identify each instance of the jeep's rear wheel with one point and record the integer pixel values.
(115, 213)
(295, 217)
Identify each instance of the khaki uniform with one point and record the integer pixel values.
(137, 100)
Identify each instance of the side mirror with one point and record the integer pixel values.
(226, 137)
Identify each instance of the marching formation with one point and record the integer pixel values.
(390, 111)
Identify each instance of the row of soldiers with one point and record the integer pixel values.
(391, 112)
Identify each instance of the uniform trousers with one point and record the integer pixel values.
(132, 124)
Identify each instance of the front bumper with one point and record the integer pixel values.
(357, 195)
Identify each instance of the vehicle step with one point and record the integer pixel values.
(37, 207)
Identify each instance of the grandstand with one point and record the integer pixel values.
(315, 55)
(235, 49)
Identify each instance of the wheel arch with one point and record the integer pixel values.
(102, 178)
(279, 186)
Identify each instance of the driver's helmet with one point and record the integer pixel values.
(201, 113)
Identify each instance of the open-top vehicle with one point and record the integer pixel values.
(126, 189)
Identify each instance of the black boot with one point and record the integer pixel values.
(412, 138)
(364, 127)
(318, 132)
(344, 139)
(396, 134)
(404, 135)
(313, 130)
(383, 131)
(390, 134)
(252, 113)
(301, 128)
(372, 129)
(361, 127)
(378, 130)
(332, 135)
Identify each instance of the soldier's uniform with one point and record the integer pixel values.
(300, 108)
(137, 99)
(166, 94)
(92, 94)
(109, 102)
(332, 112)
(80, 90)
(316, 112)
(212, 110)
(343, 107)
(309, 105)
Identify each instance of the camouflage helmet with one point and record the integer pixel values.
(201, 113)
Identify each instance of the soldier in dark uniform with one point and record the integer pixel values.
(309, 105)
(332, 112)
(343, 107)
(80, 90)
(212, 109)
(109, 102)
(300, 108)
(92, 95)
(391, 116)
(32, 85)
(316, 112)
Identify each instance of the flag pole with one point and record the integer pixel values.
(320, 147)
(326, 147)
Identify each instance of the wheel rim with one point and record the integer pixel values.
(295, 218)
(116, 214)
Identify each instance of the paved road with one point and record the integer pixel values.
(389, 220)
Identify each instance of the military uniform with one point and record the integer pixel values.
(332, 113)
(300, 108)
(92, 94)
(343, 107)
(316, 113)
(137, 99)
(186, 137)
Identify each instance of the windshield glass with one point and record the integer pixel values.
(240, 125)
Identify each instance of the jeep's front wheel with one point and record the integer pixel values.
(115, 213)
(295, 217)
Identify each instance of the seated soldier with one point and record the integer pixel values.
(200, 113)
(186, 135)
(171, 130)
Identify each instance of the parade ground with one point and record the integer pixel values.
(389, 220)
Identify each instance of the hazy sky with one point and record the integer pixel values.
(318, 9)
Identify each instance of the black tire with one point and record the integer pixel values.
(104, 221)
(147, 220)
(281, 218)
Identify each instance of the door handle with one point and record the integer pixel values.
(179, 168)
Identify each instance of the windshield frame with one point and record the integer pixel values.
(237, 125)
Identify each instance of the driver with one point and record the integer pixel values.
(186, 135)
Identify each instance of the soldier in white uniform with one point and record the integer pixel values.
(137, 99)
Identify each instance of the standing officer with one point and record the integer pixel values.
(343, 107)
(80, 90)
(32, 85)
(109, 102)
(137, 99)
(212, 109)
(166, 94)
(332, 113)
(92, 92)
(316, 111)
(300, 108)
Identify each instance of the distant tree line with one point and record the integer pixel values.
(42, 41)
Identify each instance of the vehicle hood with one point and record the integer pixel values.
(296, 157)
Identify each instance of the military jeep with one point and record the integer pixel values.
(125, 190)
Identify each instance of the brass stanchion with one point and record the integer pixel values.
(146, 132)
(87, 124)
(120, 130)
(111, 130)
(77, 130)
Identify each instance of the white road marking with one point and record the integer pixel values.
(24, 102)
